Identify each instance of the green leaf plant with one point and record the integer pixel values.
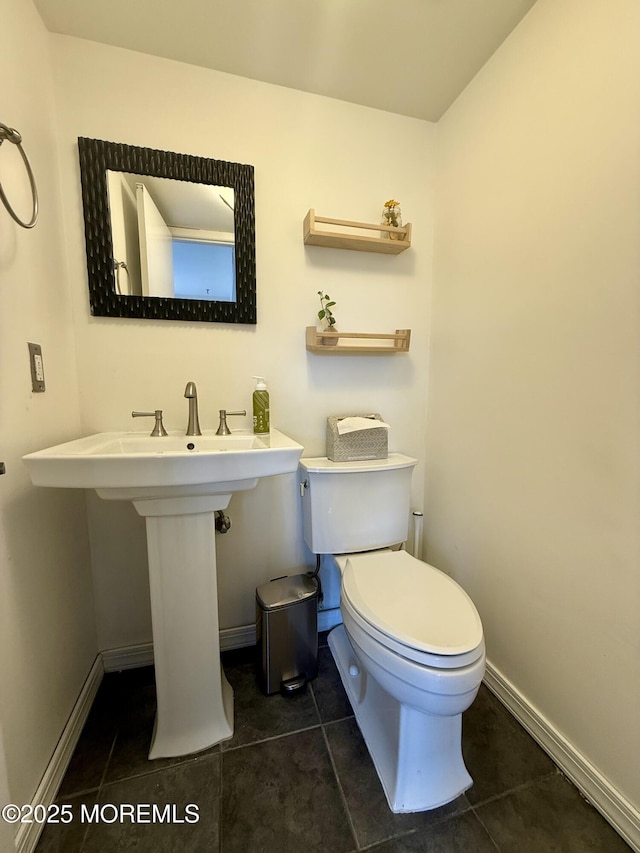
(325, 312)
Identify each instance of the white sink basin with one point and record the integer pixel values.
(126, 465)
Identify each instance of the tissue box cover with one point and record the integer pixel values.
(356, 446)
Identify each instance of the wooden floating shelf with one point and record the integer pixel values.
(338, 343)
(398, 241)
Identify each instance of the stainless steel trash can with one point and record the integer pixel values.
(287, 633)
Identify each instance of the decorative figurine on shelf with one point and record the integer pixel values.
(391, 215)
(325, 313)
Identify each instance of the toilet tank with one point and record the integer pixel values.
(355, 506)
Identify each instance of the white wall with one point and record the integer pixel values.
(533, 444)
(47, 635)
(308, 151)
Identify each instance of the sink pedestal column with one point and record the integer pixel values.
(195, 700)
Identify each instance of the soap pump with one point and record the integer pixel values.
(261, 416)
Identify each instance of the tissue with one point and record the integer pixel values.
(357, 422)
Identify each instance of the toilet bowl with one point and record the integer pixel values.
(410, 651)
(411, 664)
(435, 681)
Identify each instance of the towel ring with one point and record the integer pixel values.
(13, 136)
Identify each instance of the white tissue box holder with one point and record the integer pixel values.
(356, 446)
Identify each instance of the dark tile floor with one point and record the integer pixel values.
(296, 776)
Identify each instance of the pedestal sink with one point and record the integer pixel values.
(177, 483)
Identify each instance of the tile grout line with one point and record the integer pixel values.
(482, 824)
(335, 772)
(340, 789)
(220, 792)
(268, 739)
(522, 787)
(504, 795)
(100, 786)
(155, 770)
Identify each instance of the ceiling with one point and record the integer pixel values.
(412, 57)
(183, 204)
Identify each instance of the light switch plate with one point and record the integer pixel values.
(37, 367)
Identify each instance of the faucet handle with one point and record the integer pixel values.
(223, 429)
(159, 426)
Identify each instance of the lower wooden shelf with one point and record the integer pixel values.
(339, 343)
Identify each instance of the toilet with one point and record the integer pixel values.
(410, 651)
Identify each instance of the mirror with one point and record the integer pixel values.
(172, 238)
(154, 218)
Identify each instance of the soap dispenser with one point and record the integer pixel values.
(261, 416)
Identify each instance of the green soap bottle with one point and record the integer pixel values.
(261, 416)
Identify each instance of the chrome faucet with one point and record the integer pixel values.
(193, 427)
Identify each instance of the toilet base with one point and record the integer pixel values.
(418, 756)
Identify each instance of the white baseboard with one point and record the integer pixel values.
(127, 657)
(621, 814)
(130, 657)
(29, 833)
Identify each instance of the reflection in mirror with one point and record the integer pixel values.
(169, 236)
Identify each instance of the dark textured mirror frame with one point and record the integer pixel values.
(96, 157)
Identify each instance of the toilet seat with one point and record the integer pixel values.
(412, 608)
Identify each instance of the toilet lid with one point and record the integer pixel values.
(412, 602)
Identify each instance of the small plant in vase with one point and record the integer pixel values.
(391, 215)
(325, 313)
